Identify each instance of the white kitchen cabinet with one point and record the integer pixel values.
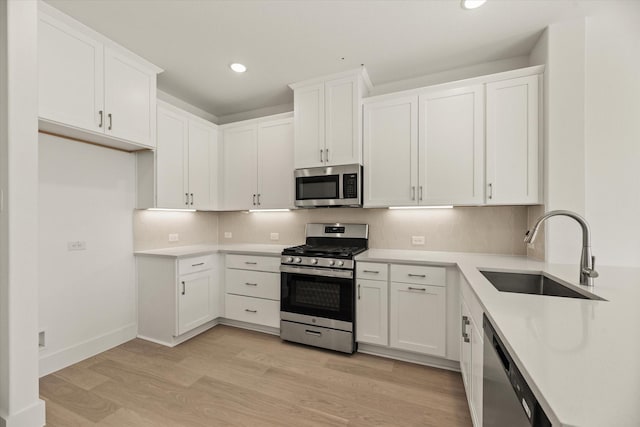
(471, 350)
(372, 305)
(418, 318)
(513, 157)
(465, 345)
(92, 89)
(258, 164)
(451, 147)
(253, 290)
(328, 119)
(177, 298)
(183, 167)
(390, 152)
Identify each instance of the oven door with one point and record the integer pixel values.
(317, 293)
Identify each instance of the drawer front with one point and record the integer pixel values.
(194, 264)
(253, 310)
(260, 284)
(251, 262)
(420, 275)
(372, 271)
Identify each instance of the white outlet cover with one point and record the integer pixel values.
(417, 240)
(228, 235)
(275, 236)
(78, 245)
(174, 237)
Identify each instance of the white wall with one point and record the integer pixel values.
(87, 298)
(19, 402)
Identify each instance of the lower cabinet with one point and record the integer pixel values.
(471, 350)
(372, 321)
(176, 296)
(252, 289)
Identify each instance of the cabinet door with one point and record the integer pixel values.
(240, 167)
(418, 321)
(130, 98)
(342, 144)
(512, 142)
(477, 341)
(391, 152)
(70, 76)
(193, 301)
(372, 305)
(275, 164)
(465, 347)
(451, 147)
(308, 104)
(200, 142)
(171, 159)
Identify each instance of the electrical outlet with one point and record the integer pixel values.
(417, 240)
(275, 236)
(228, 235)
(174, 237)
(78, 245)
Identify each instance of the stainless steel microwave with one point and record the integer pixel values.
(330, 186)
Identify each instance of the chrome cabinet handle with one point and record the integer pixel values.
(490, 190)
(250, 311)
(251, 284)
(250, 262)
(191, 198)
(465, 322)
(416, 289)
(326, 155)
(420, 196)
(258, 199)
(184, 289)
(254, 200)
(195, 265)
(358, 290)
(417, 275)
(101, 113)
(186, 198)
(413, 192)
(371, 271)
(321, 152)
(314, 333)
(110, 117)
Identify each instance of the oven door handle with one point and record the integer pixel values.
(324, 272)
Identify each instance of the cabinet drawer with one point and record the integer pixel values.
(253, 310)
(259, 284)
(193, 264)
(372, 271)
(252, 262)
(420, 275)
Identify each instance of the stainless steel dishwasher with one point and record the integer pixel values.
(507, 399)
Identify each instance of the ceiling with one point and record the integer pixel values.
(283, 42)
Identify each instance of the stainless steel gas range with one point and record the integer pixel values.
(317, 305)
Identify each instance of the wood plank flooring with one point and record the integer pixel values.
(233, 377)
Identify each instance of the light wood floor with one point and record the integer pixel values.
(234, 377)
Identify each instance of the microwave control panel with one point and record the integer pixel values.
(350, 186)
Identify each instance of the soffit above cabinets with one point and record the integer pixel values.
(289, 41)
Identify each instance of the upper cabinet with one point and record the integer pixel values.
(92, 89)
(513, 148)
(328, 119)
(258, 164)
(427, 146)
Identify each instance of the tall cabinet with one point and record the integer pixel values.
(328, 119)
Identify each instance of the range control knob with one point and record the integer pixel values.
(340, 263)
(297, 259)
(314, 261)
(331, 262)
(289, 259)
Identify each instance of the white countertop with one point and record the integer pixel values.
(580, 357)
(195, 250)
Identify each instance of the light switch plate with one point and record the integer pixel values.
(417, 240)
(174, 237)
(228, 235)
(78, 245)
(275, 236)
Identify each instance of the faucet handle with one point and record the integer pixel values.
(591, 271)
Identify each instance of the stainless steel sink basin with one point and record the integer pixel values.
(535, 284)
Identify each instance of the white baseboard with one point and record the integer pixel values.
(73, 354)
(31, 416)
(184, 337)
(407, 356)
(251, 326)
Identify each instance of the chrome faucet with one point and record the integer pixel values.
(587, 261)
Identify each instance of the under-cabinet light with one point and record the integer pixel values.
(171, 210)
(269, 210)
(238, 68)
(421, 207)
(472, 4)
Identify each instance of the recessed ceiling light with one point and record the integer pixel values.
(238, 68)
(472, 4)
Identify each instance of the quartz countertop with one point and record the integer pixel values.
(195, 250)
(580, 357)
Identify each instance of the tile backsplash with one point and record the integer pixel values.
(151, 229)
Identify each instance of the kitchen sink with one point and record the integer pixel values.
(531, 283)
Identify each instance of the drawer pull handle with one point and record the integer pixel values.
(416, 289)
(250, 262)
(250, 311)
(251, 284)
(371, 271)
(184, 289)
(417, 275)
(465, 322)
(314, 333)
(195, 265)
